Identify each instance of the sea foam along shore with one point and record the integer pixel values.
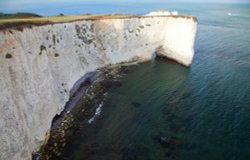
(85, 109)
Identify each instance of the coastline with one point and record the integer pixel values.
(46, 61)
(81, 107)
(87, 98)
(161, 110)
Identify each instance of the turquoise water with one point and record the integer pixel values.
(203, 111)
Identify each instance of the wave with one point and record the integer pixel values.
(238, 15)
(97, 113)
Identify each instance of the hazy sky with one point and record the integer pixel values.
(71, 1)
(9, 5)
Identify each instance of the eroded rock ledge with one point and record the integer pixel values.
(40, 64)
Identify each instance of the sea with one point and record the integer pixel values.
(164, 111)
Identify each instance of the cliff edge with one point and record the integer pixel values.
(39, 65)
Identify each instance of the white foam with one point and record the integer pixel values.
(97, 113)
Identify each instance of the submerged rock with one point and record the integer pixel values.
(133, 153)
(168, 141)
(86, 109)
(165, 139)
(135, 104)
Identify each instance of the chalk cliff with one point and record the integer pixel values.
(40, 64)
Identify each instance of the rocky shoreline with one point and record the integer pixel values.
(86, 96)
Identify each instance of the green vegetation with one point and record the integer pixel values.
(30, 17)
(18, 15)
(21, 20)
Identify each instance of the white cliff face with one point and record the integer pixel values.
(39, 66)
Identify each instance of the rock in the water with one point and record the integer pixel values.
(135, 104)
(165, 139)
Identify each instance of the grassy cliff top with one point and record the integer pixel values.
(19, 20)
(30, 17)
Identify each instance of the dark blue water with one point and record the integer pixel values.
(203, 111)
